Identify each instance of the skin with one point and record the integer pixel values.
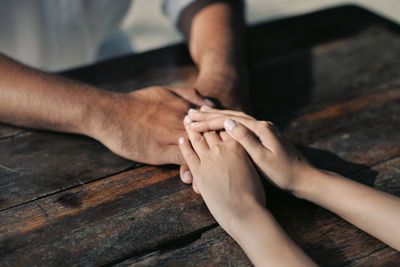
(233, 192)
(142, 125)
(223, 72)
(222, 63)
(373, 211)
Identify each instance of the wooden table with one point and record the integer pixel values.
(331, 80)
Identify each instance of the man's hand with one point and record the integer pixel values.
(227, 88)
(215, 31)
(144, 125)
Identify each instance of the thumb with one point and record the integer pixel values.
(243, 136)
(186, 175)
(193, 96)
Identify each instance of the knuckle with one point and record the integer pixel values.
(244, 135)
(266, 125)
(241, 114)
(260, 153)
(247, 136)
(197, 138)
(186, 105)
(209, 124)
(217, 148)
(271, 124)
(192, 91)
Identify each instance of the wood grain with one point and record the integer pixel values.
(36, 164)
(7, 131)
(331, 82)
(103, 221)
(327, 74)
(328, 239)
(99, 215)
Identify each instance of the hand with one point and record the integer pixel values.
(223, 174)
(278, 160)
(229, 88)
(144, 125)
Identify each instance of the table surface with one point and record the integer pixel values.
(330, 80)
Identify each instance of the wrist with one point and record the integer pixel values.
(223, 72)
(311, 182)
(228, 85)
(244, 218)
(99, 107)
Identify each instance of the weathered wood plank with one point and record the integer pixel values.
(9, 131)
(325, 237)
(142, 210)
(102, 221)
(158, 201)
(33, 165)
(166, 66)
(365, 130)
(267, 40)
(169, 65)
(23, 180)
(288, 35)
(211, 248)
(330, 73)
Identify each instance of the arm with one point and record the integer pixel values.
(215, 31)
(264, 240)
(375, 212)
(34, 99)
(230, 186)
(142, 125)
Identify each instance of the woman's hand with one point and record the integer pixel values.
(229, 184)
(278, 160)
(223, 175)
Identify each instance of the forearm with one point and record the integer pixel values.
(31, 98)
(217, 46)
(264, 241)
(375, 212)
(217, 38)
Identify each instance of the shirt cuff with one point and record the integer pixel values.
(173, 9)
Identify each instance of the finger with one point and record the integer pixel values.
(224, 136)
(195, 187)
(192, 96)
(197, 140)
(185, 174)
(269, 135)
(212, 138)
(244, 136)
(208, 109)
(198, 115)
(218, 123)
(188, 154)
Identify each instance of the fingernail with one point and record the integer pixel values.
(187, 119)
(209, 102)
(206, 108)
(194, 123)
(229, 125)
(187, 177)
(192, 110)
(181, 140)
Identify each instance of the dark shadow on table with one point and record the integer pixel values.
(281, 57)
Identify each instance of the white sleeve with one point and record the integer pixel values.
(173, 9)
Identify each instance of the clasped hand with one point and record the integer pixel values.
(221, 163)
